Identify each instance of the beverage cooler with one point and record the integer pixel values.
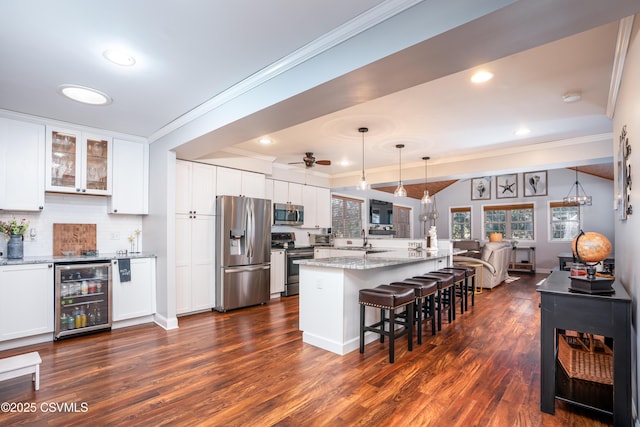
(82, 298)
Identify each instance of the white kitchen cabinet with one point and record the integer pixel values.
(26, 300)
(195, 236)
(321, 253)
(195, 188)
(317, 207)
(234, 182)
(135, 298)
(268, 189)
(130, 194)
(195, 264)
(278, 263)
(22, 163)
(78, 162)
(287, 192)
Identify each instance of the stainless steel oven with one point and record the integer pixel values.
(292, 284)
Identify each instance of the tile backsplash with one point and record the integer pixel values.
(113, 231)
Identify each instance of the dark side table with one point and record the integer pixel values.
(609, 316)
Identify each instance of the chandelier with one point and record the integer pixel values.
(580, 197)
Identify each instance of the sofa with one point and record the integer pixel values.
(473, 247)
(495, 262)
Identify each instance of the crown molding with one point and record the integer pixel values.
(622, 45)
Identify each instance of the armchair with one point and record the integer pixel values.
(495, 262)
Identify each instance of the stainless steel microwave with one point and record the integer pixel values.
(288, 214)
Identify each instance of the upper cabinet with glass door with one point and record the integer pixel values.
(78, 162)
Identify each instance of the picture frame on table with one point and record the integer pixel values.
(535, 183)
(507, 186)
(481, 188)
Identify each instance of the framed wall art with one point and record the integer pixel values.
(624, 176)
(481, 188)
(507, 186)
(535, 183)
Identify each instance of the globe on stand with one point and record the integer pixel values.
(591, 249)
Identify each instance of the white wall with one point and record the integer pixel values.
(627, 232)
(112, 230)
(599, 217)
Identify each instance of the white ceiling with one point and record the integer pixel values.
(189, 54)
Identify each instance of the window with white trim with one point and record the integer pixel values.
(346, 216)
(461, 223)
(565, 221)
(512, 221)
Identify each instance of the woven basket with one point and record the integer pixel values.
(586, 358)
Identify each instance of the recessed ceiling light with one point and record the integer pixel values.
(522, 131)
(265, 141)
(345, 163)
(119, 57)
(481, 77)
(85, 95)
(571, 97)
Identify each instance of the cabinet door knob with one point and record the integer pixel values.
(77, 190)
(41, 207)
(115, 211)
(84, 190)
(50, 265)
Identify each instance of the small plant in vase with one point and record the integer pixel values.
(15, 230)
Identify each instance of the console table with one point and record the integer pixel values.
(609, 316)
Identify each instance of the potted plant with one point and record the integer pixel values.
(15, 230)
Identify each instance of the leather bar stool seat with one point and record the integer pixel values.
(460, 280)
(425, 296)
(470, 273)
(389, 298)
(445, 286)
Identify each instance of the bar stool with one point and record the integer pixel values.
(470, 284)
(425, 296)
(445, 285)
(460, 281)
(390, 298)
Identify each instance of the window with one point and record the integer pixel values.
(346, 216)
(402, 221)
(461, 223)
(512, 221)
(565, 220)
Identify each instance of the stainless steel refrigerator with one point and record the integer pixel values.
(243, 252)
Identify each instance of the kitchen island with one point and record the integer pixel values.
(329, 308)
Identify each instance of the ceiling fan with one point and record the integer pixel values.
(309, 161)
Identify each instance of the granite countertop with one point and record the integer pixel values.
(42, 259)
(375, 260)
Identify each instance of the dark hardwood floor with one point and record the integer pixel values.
(249, 367)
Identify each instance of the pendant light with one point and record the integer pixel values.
(578, 198)
(426, 199)
(400, 191)
(363, 185)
